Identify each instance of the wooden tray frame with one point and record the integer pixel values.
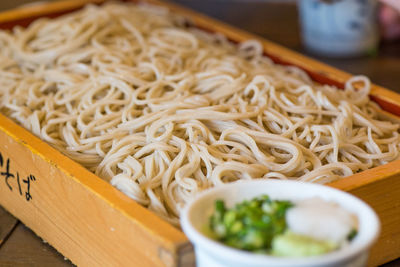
(93, 224)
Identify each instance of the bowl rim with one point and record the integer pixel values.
(214, 247)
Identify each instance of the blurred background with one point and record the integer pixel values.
(372, 31)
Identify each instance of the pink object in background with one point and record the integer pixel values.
(389, 17)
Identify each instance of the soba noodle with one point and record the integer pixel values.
(163, 110)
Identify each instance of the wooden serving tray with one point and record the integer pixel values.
(93, 224)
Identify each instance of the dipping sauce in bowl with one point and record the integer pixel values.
(279, 223)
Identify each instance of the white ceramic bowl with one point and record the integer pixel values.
(211, 253)
(339, 28)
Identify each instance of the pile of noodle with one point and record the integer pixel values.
(163, 111)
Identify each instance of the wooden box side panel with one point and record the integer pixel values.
(384, 197)
(83, 217)
(380, 188)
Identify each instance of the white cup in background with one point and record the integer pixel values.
(339, 28)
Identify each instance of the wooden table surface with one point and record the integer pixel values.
(275, 21)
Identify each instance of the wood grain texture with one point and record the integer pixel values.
(77, 211)
(384, 197)
(24, 249)
(82, 216)
(7, 225)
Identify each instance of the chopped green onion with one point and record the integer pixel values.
(250, 225)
